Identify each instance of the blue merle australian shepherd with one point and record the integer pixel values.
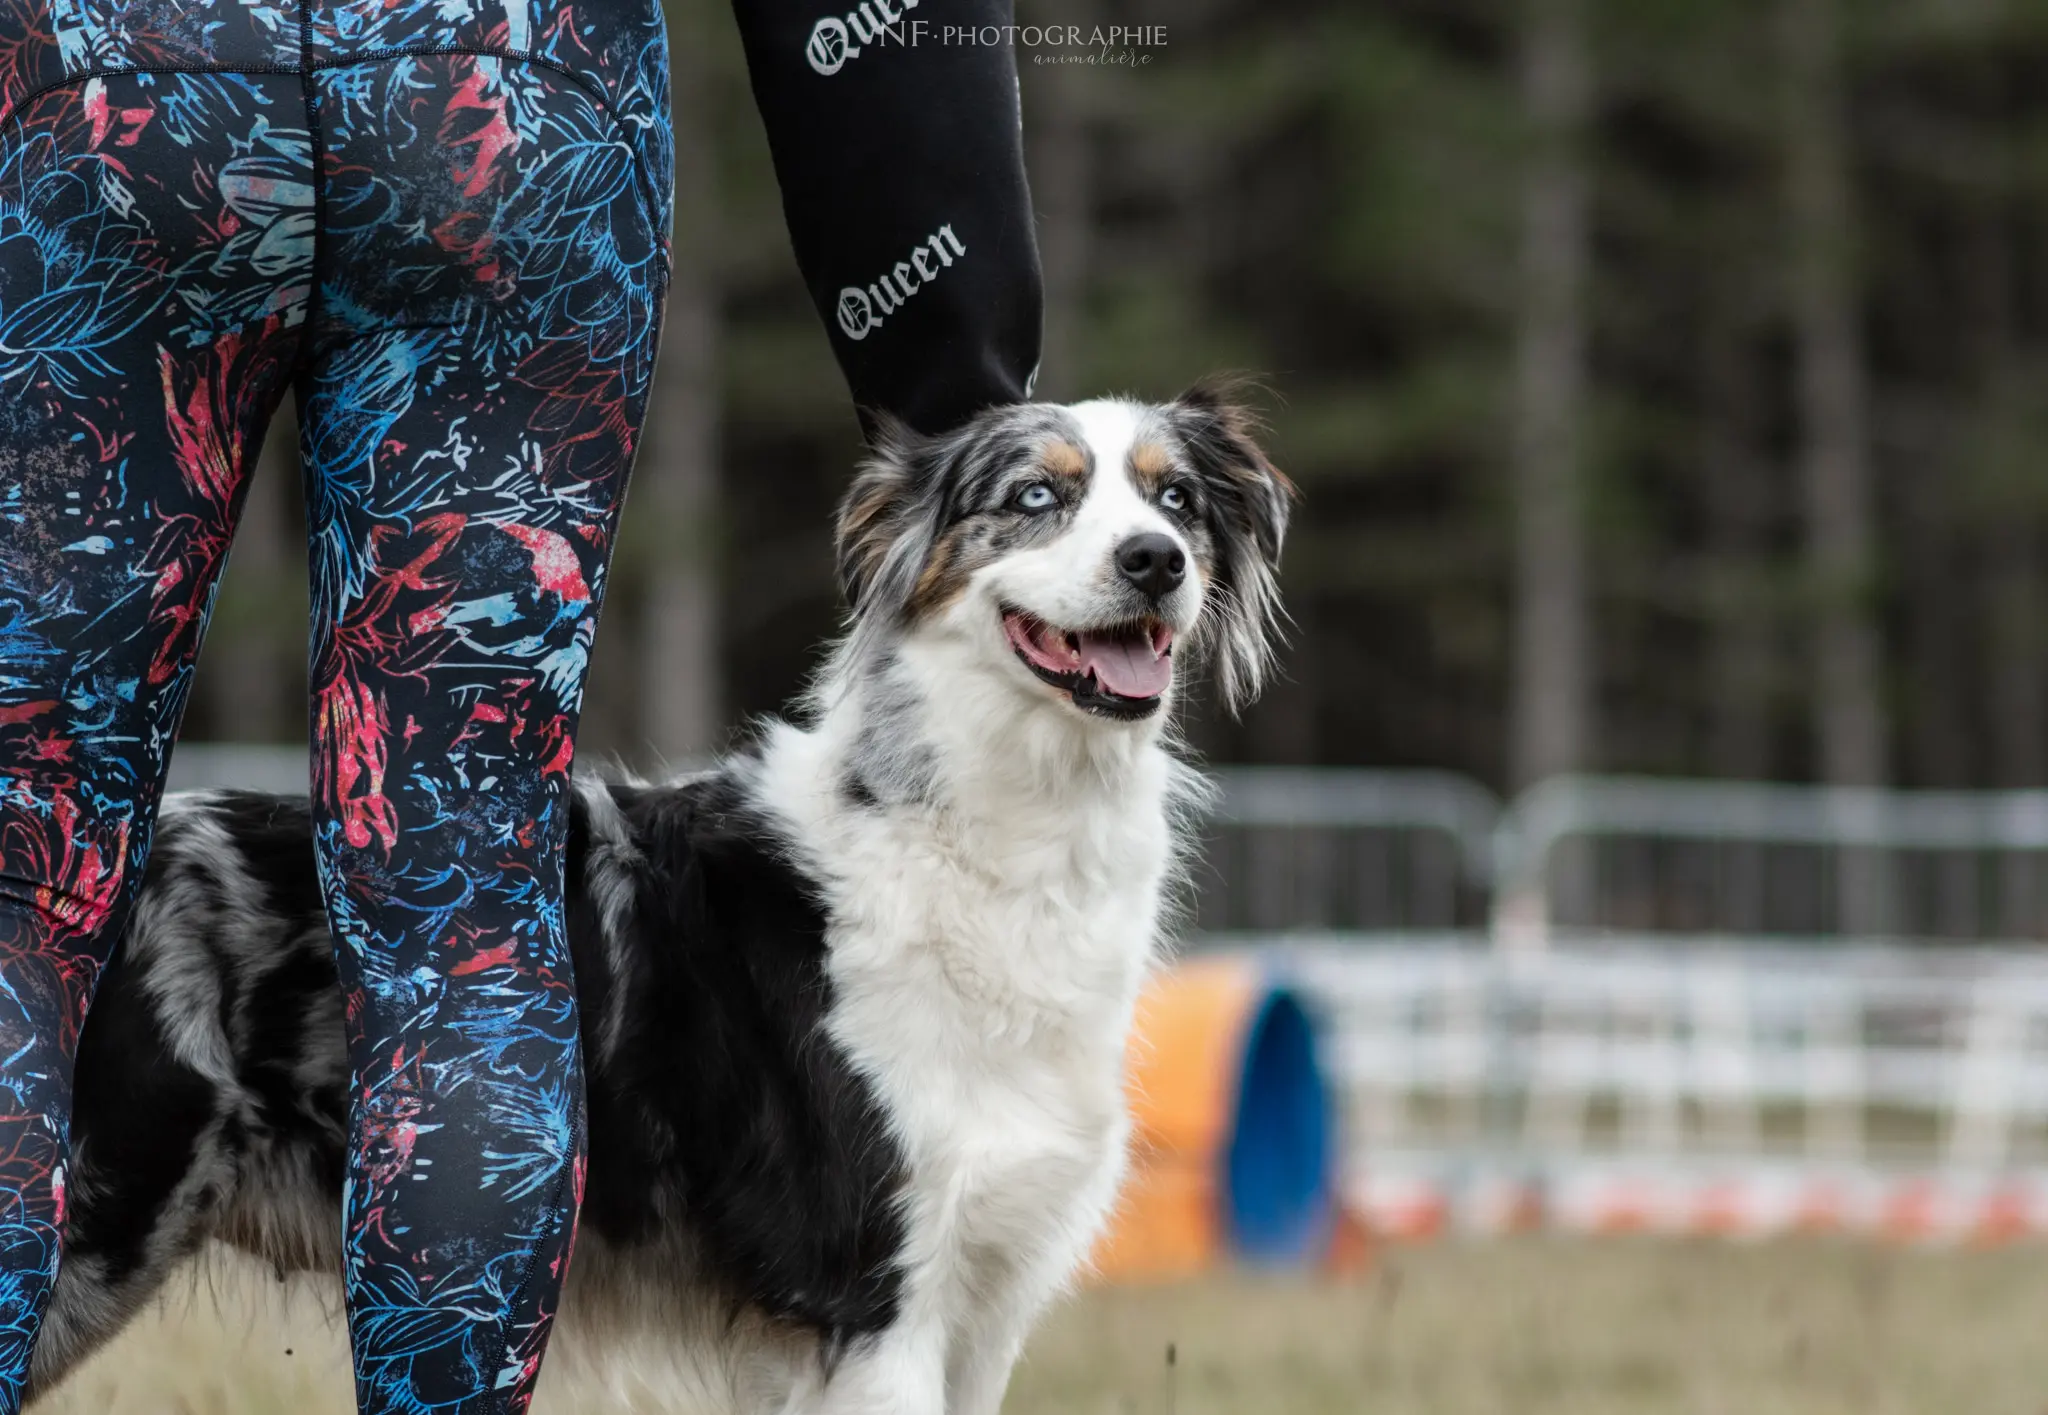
(854, 1004)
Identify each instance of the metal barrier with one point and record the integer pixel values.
(1693, 857)
(249, 766)
(1358, 851)
(1707, 1086)
(1716, 1048)
(1311, 848)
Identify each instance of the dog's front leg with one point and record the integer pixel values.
(984, 1374)
(901, 1371)
(991, 1337)
(990, 1329)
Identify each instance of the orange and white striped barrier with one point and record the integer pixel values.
(1614, 1199)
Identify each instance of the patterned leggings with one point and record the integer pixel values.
(443, 225)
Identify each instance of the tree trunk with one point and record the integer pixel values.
(1850, 718)
(2019, 695)
(1742, 657)
(2012, 579)
(1937, 651)
(1553, 700)
(681, 690)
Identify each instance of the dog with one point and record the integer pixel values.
(854, 1004)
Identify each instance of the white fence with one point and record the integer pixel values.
(1614, 1083)
(1640, 1047)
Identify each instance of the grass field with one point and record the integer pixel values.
(1528, 1327)
(1537, 1326)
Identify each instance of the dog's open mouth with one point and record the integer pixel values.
(1122, 670)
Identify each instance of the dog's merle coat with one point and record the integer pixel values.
(853, 1005)
(211, 1082)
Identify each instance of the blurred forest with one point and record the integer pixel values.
(1664, 379)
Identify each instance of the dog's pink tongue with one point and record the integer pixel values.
(1127, 667)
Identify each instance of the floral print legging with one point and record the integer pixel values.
(443, 226)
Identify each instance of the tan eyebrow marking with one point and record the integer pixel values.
(1065, 460)
(1151, 465)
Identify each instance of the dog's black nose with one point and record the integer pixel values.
(1153, 562)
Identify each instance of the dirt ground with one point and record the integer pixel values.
(1528, 1327)
(1632, 1327)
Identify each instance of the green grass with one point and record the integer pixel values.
(1525, 1327)
(1534, 1326)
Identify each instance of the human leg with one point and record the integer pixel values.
(484, 339)
(152, 286)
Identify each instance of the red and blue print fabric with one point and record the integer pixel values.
(443, 225)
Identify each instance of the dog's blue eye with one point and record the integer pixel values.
(1037, 497)
(1174, 498)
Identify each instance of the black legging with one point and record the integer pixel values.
(448, 235)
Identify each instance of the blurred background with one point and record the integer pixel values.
(1662, 377)
(1651, 813)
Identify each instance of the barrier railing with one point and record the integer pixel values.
(1760, 859)
(1711, 1085)
(1642, 1046)
(250, 766)
(1312, 848)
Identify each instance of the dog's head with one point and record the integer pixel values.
(1081, 554)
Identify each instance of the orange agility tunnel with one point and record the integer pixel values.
(1231, 1158)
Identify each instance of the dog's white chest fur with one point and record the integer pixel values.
(986, 952)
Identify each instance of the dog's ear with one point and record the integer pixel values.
(869, 511)
(1249, 499)
(888, 521)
